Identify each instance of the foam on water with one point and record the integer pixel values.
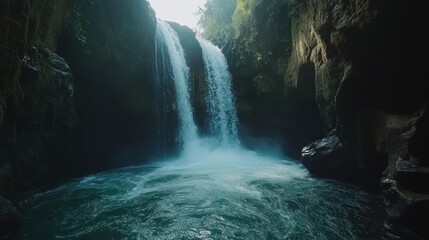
(211, 194)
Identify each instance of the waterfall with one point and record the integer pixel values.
(170, 67)
(220, 100)
(171, 61)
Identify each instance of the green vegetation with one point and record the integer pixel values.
(256, 38)
(216, 19)
(255, 35)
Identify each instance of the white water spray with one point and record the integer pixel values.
(223, 115)
(167, 39)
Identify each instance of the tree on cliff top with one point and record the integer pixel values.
(216, 19)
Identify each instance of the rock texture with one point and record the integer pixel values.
(325, 158)
(36, 90)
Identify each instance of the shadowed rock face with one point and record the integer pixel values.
(375, 102)
(36, 129)
(110, 48)
(36, 108)
(10, 220)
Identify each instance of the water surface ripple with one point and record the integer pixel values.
(222, 194)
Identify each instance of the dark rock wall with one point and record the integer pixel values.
(37, 114)
(110, 48)
(36, 91)
(338, 41)
(355, 47)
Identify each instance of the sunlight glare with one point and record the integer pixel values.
(183, 12)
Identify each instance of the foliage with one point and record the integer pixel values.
(216, 19)
(259, 29)
(258, 48)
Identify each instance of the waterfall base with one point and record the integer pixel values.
(209, 193)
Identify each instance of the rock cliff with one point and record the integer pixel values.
(375, 103)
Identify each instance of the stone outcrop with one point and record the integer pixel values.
(325, 158)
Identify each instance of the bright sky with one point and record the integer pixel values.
(180, 11)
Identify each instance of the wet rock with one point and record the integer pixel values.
(61, 73)
(10, 220)
(323, 157)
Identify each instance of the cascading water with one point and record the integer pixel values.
(223, 115)
(168, 44)
(171, 64)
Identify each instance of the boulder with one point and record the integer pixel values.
(324, 158)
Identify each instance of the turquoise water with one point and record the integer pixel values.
(216, 194)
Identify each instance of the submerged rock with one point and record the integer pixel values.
(10, 220)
